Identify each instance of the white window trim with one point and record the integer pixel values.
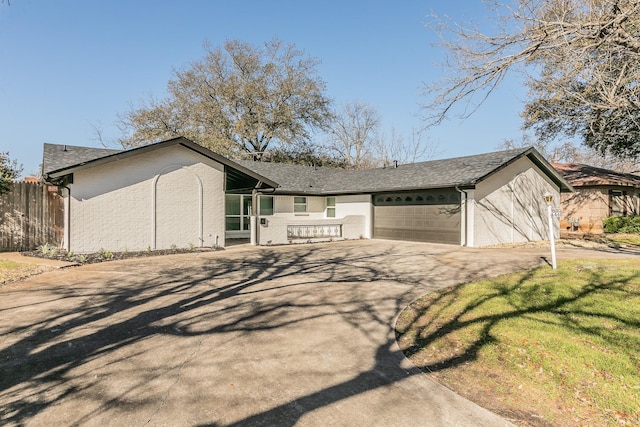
(305, 204)
(328, 207)
(244, 218)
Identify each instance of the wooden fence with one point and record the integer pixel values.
(31, 215)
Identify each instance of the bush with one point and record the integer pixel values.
(622, 224)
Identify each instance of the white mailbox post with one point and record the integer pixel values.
(548, 198)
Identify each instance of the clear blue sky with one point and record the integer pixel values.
(69, 65)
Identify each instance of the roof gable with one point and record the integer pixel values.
(58, 163)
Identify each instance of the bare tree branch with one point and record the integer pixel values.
(352, 132)
(580, 59)
(392, 148)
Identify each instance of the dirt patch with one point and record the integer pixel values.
(16, 273)
(590, 242)
(103, 256)
(464, 382)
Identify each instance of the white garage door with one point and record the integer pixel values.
(427, 216)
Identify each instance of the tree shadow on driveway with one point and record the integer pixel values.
(187, 339)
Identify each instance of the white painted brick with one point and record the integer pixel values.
(112, 205)
(353, 212)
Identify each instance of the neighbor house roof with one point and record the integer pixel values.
(63, 160)
(580, 175)
(456, 172)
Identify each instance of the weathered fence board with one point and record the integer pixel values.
(30, 216)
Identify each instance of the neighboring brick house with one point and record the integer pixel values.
(599, 194)
(177, 193)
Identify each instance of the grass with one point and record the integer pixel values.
(626, 239)
(11, 271)
(541, 347)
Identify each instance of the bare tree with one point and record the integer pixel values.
(580, 59)
(352, 133)
(239, 99)
(568, 152)
(388, 149)
(98, 134)
(555, 153)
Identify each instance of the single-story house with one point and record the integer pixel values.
(599, 194)
(176, 193)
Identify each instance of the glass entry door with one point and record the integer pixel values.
(238, 216)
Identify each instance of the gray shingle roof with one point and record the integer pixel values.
(298, 178)
(59, 156)
(460, 171)
(446, 173)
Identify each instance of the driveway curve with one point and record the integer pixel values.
(289, 335)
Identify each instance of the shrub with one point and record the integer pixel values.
(622, 224)
(48, 250)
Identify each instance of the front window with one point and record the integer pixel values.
(266, 205)
(238, 212)
(299, 204)
(617, 203)
(331, 207)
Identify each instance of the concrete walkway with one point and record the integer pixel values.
(292, 335)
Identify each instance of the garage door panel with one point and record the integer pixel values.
(430, 223)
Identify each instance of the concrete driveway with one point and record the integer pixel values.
(292, 335)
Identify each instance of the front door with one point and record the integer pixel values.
(238, 216)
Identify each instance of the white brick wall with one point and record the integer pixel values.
(171, 196)
(510, 207)
(274, 232)
(352, 212)
(357, 205)
(283, 205)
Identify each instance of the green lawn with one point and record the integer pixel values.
(625, 239)
(539, 347)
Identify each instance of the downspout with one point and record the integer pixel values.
(464, 218)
